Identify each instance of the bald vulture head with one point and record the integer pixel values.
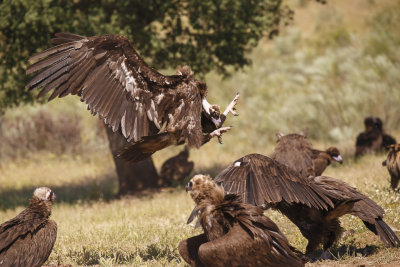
(203, 188)
(335, 154)
(44, 194)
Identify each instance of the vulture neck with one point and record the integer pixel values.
(206, 106)
(41, 207)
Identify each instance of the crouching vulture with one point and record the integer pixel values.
(152, 110)
(176, 168)
(28, 239)
(364, 208)
(312, 161)
(235, 233)
(392, 163)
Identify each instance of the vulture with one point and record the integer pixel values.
(392, 163)
(387, 139)
(28, 239)
(312, 161)
(364, 208)
(235, 233)
(153, 111)
(371, 139)
(176, 168)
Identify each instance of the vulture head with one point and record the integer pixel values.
(335, 154)
(44, 194)
(371, 123)
(212, 112)
(203, 188)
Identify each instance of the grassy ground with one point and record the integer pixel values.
(94, 228)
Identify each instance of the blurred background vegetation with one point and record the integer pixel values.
(335, 65)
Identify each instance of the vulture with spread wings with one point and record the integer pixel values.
(363, 207)
(152, 110)
(235, 233)
(311, 204)
(28, 239)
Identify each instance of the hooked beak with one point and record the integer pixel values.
(53, 197)
(217, 122)
(338, 158)
(188, 187)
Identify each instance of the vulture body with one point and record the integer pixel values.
(312, 161)
(176, 168)
(152, 110)
(28, 239)
(392, 163)
(358, 204)
(374, 138)
(235, 233)
(314, 209)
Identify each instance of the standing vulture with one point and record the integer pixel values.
(235, 233)
(392, 163)
(365, 208)
(177, 168)
(28, 239)
(295, 151)
(371, 139)
(152, 110)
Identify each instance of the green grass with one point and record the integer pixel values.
(95, 228)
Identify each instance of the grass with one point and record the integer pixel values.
(95, 228)
(336, 65)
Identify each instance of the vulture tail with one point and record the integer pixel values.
(386, 234)
(145, 147)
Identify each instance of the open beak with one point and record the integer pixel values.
(338, 158)
(217, 122)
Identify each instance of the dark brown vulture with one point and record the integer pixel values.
(322, 159)
(152, 110)
(371, 139)
(392, 163)
(295, 151)
(387, 139)
(28, 239)
(364, 208)
(235, 233)
(177, 168)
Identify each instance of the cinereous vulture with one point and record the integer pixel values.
(235, 233)
(313, 204)
(370, 139)
(28, 239)
(312, 161)
(152, 110)
(176, 168)
(392, 163)
(365, 208)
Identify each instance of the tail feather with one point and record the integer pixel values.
(145, 147)
(386, 234)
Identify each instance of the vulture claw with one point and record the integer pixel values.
(218, 133)
(231, 107)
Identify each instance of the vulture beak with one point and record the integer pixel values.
(188, 187)
(338, 158)
(53, 197)
(217, 122)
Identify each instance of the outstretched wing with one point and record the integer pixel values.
(259, 179)
(109, 75)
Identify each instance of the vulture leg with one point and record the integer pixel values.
(394, 181)
(218, 133)
(230, 109)
(189, 249)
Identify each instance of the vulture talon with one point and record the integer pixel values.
(231, 107)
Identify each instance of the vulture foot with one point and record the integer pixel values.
(218, 133)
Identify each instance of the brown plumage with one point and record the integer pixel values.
(152, 110)
(28, 239)
(387, 139)
(176, 168)
(235, 233)
(359, 205)
(311, 162)
(392, 163)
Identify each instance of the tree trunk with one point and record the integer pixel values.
(131, 176)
